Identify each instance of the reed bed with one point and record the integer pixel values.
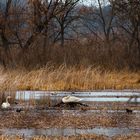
(72, 78)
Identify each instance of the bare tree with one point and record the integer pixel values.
(105, 21)
(100, 22)
(66, 17)
(88, 20)
(11, 25)
(128, 13)
(4, 22)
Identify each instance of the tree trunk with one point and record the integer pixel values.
(62, 35)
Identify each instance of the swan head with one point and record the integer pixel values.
(67, 97)
(8, 97)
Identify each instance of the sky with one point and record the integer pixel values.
(95, 2)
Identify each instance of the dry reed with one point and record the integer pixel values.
(63, 78)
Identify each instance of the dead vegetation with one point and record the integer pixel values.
(63, 78)
(79, 137)
(66, 119)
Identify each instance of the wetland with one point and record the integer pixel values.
(101, 114)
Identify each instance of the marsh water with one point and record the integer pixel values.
(85, 96)
(69, 131)
(124, 106)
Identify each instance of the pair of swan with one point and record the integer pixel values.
(6, 104)
(67, 99)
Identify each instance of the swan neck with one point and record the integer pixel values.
(7, 100)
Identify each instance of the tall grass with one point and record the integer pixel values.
(72, 54)
(72, 78)
(76, 66)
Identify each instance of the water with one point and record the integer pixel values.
(111, 99)
(94, 93)
(110, 132)
(85, 96)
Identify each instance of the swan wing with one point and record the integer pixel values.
(75, 99)
(71, 99)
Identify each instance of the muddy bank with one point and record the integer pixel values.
(80, 137)
(67, 118)
(133, 136)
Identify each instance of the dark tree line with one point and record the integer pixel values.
(62, 22)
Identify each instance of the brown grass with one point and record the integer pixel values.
(73, 67)
(79, 137)
(72, 78)
(42, 119)
(128, 137)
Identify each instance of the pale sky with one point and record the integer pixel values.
(95, 2)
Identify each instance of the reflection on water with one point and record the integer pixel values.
(111, 99)
(86, 96)
(59, 93)
(68, 131)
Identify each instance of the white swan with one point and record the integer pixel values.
(6, 104)
(71, 99)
